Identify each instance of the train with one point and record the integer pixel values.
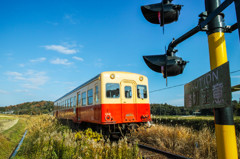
(112, 102)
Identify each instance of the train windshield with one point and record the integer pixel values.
(142, 91)
(112, 90)
(128, 92)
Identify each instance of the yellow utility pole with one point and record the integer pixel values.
(224, 124)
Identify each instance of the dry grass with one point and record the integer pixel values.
(7, 124)
(46, 138)
(179, 140)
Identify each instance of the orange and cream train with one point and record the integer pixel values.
(111, 101)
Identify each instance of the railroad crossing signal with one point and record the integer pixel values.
(212, 23)
(167, 65)
(161, 13)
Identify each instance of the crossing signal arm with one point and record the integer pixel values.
(165, 13)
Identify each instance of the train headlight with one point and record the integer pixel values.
(112, 76)
(141, 78)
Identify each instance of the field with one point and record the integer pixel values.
(47, 138)
(194, 122)
(11, 131)
(189, 136)
(183, 140)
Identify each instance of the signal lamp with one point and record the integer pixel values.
(167, 65)
(161, 13)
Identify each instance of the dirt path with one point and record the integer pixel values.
(6, 124)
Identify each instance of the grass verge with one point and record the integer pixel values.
(47, 138)
(10, 138)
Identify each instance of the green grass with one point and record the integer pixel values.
(10, 138)
(236, 118)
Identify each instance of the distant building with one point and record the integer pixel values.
(196, 113)
(8, 112)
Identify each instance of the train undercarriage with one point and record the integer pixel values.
(108, 130)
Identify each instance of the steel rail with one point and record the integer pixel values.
(167, 154)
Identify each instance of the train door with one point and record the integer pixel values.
(128, 101)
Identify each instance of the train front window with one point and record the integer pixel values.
(128, 91)
(112, 90)
(90, 96)
(142, 91)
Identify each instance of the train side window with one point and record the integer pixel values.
(79, 99)
(112, 90)
(90, 96)
(65, 104)
(71, 102)
(142, 91)
(84, 99)
(128, 91)
(74, 101)
(96, 94)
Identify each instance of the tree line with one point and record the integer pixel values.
(45, 107)
(31, 108)
(166, 109)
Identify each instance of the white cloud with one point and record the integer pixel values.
(59, 61)
(3, 91)
(236, 92)
(14, 74)
(78, 58)
(70, 18)
(98, 63)
(21, 91)
(21, 65)
(31, 79)
(61, 49)
(235, 76)
(52, 23)
(41, 59)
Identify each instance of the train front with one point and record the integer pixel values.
(125, 99)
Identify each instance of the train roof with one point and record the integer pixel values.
(89, 81)
(92, 79)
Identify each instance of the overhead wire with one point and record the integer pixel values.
(161, 89)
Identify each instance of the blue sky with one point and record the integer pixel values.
(50, 47)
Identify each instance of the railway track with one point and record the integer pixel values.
(155, 152)
(164, 153)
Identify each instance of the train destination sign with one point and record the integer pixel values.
(211, 90)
